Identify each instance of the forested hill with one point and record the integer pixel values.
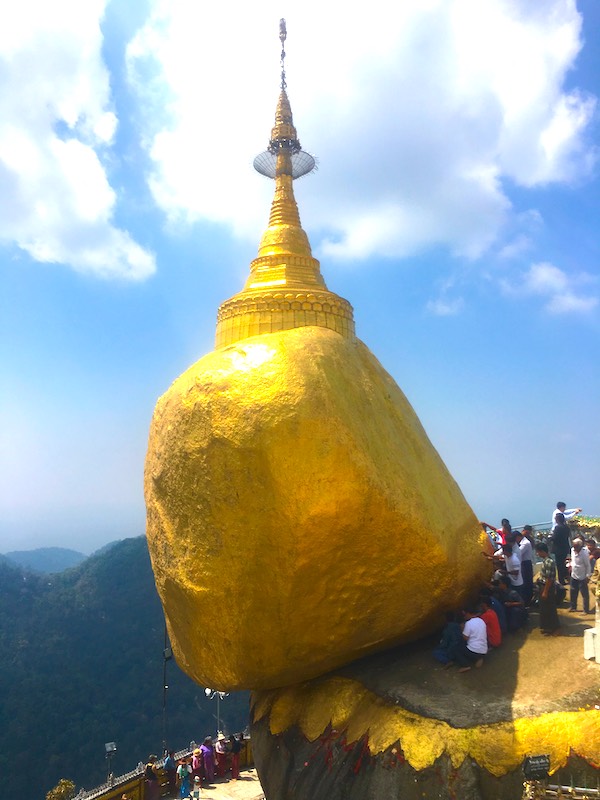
(81, 664)
(46, 559)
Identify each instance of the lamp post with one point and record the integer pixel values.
(110, 749)
(167, 656)
(213, 694)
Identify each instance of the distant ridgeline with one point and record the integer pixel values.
(81, 663)
(46, 559)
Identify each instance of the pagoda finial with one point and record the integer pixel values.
(285, 288)
(282, 38)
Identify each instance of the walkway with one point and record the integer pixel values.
(246, 788)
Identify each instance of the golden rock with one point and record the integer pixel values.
(298, 516)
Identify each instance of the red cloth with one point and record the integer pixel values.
(494, 634)
(235, 766)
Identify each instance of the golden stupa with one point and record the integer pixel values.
(293, 497)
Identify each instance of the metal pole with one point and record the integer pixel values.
(166, 657)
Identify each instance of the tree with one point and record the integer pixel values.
(64, 790)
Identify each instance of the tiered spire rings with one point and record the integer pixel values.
(285, 288)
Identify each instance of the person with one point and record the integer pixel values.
(507, 559)
(171, 772)
(499, 534)
(451, 639)
(513, 566)
(593, 551)
(496, 606)
(561, 537)
(196, 764)
(474, 645)
(567, 513)
(208, 758)
(580, 575)
(595, 584)
(151, 784)
(235, 746)
(196, 792)
(526, 552)
(549, 623)
(516, 614)
(184, 772)
(221, 755)
(528, 532)
(492, 624)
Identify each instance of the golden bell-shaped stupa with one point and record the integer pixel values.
(285, 288)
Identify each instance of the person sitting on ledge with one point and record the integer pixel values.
(451, 640)
(516, 614)
(474, 645)
(496, 606)
(492, 624)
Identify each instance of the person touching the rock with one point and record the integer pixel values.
(567, 513)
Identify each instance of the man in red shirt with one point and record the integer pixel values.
(489, 616)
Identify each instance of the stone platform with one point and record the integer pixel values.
(399, 725)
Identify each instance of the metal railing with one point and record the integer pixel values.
(132, 783)
(536, 790)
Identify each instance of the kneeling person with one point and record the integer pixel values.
(475, 645)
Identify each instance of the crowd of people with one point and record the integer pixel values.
(187, 776)
(504, 602)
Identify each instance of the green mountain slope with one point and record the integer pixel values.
(81, 664)
(46, 559)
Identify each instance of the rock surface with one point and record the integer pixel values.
(292, 495)
(396, 725)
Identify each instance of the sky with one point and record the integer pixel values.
(455, 206)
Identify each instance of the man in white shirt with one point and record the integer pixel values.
(561, 508)
(581, 570)
(475, 644)
(513, 567)
(526, 554)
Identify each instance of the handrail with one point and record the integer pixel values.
(116, 784)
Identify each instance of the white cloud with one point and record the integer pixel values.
(55, 122)
(563, 293)
(418, 112)
(443, 307)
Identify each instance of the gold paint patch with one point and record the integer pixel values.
(499, 748)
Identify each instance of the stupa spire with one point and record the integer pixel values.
(285, 288)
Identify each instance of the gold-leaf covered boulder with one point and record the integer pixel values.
(298, 516)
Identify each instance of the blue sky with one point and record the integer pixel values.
(455, 207)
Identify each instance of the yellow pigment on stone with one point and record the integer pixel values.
(499, 748)
(292, 497)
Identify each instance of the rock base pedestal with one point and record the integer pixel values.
(398, 725)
